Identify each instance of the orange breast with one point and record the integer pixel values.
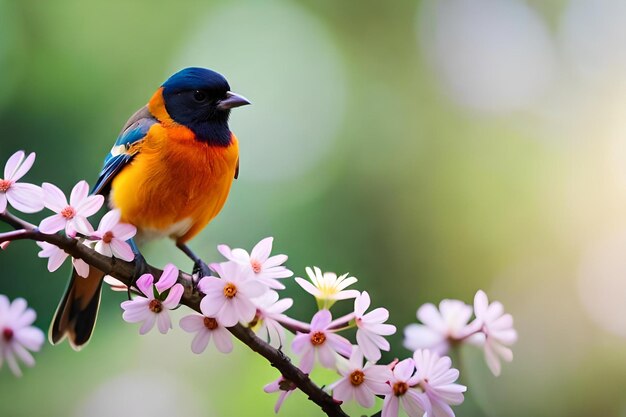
(175, 185)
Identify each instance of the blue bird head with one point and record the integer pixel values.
(200, 99)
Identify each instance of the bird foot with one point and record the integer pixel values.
(200, 270)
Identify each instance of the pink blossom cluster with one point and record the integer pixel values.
(245, 290)
(109, 239)
(17, 335)
(449, 326)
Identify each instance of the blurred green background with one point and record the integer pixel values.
(429, 148)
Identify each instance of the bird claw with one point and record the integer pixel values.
(200, 270)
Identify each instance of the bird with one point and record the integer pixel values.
(169, 174)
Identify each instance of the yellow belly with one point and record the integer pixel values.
(175, 185)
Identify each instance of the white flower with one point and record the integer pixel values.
(27, 198)
(327, 287)
(361, 383)
(17, 336)
(269, 311)
(70, 216)
(497, 331)
(435, 376)
(263, 267)
(320, 341)
(371, 328)
(441, 327)
(57, 256)
(205, 327)
(151, 309)
(228, 299)
(112, 236)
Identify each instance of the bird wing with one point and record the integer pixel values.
(126, 146)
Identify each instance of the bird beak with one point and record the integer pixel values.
(232, 100)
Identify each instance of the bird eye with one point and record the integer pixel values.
(199, 96)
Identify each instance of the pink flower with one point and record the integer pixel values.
(265, 268)
(321, 341)
(361, 383)
(73, 216)
(269, 313)
(371, 328)
(228, 298)
(326, 287)
(57, 256)
(151, 309)
(205, 327)
(17, 336)
(112, 236)
(435, 376)
(27, 198)
(497, 331)
(441, 327)
(402, 393)
(285, 386)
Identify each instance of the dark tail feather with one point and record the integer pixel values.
(77, 312)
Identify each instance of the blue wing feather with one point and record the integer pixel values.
(124, 149)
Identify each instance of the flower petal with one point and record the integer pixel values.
(53, 224)
(12, 164)
(391, 405)
(361, 304)
(27, 198)
(321, 320)
(109, 220)
(144, 283)
(164, 323)
(148, 324)
(223, 340)
(404, 369)
(168, 278)
(53, 197)
(90, 205)
(81, 267)
(122, 250)
(24, 167)
(262, 250)
(192, 323)
(174, 296)
(79, 193)
(124, 231)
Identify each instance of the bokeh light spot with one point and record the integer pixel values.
(295, 82)
(602, 283)
(490, 55)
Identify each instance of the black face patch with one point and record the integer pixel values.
(191, 97)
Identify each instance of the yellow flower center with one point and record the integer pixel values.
(318, 338)
(210, 323)
(286, 385)
(68, 212)
(230, 290)
(108, 237)
(5, 185)
(7, 334)
(357, 378)
(400, 388)
(155, 306)
(256, 266)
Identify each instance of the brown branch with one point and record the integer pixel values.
(124, 272)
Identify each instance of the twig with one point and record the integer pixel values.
(124, 271)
